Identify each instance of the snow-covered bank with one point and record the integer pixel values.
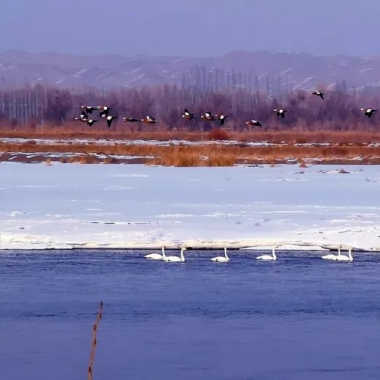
(124, 206)
(105, 142)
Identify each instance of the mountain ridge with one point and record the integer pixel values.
(257, 69)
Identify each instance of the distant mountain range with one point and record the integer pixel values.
(260, 69)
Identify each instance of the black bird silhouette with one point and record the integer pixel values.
(280, 112)
(318, 93)
(188, 115)
(149, 120)
(130, 120)
(82, 119)
(88, 109)
(368, 111)
(91, 122)
(104, 110)
(208, 116)
(110, 119)
(254, 123)
(83, 115)
(221, 118)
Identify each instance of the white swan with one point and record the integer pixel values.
(175, 259)
(344, 257)
(268, 257)
(156, 256)
(331, 256)
(221, 259)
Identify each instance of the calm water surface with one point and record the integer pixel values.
(297, 318)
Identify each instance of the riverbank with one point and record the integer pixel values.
(186, 153)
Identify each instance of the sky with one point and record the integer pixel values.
(191, 27)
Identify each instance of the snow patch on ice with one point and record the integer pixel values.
(179, 206)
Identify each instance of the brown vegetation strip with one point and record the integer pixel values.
(205, 155)
(293, 136)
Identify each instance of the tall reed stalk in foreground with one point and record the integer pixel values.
(93, 341)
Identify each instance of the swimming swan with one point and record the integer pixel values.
(156, 256)
(344, 257)
(268, 257)
(334, 257)
(331, 256)
(175, 259)
(221, 259)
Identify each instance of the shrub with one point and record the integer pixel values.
(218, 134)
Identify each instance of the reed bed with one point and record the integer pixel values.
(201, 155)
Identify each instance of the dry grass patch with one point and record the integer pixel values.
(87, 159)
(109, 160)
(83, 159)
(295, 135)
(183, 156)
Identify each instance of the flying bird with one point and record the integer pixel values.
(318, 93)
(188, 115)
(104, 110)
(91, 122)
(279, 112)
(82, 118)
(368, 111)
(130, 120)
(221, 118)
(149, 120)
(110, 119)
(83, 115)
(254, 123)
(88, 109)
(208, 116)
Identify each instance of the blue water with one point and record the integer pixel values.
(297, 318)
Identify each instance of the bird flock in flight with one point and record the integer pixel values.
(104, 112)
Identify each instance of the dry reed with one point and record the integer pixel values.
(302, 164)
(94, 341)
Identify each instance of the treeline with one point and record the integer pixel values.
(228, 80)
(31, 106)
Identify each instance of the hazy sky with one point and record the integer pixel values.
(191, 27)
